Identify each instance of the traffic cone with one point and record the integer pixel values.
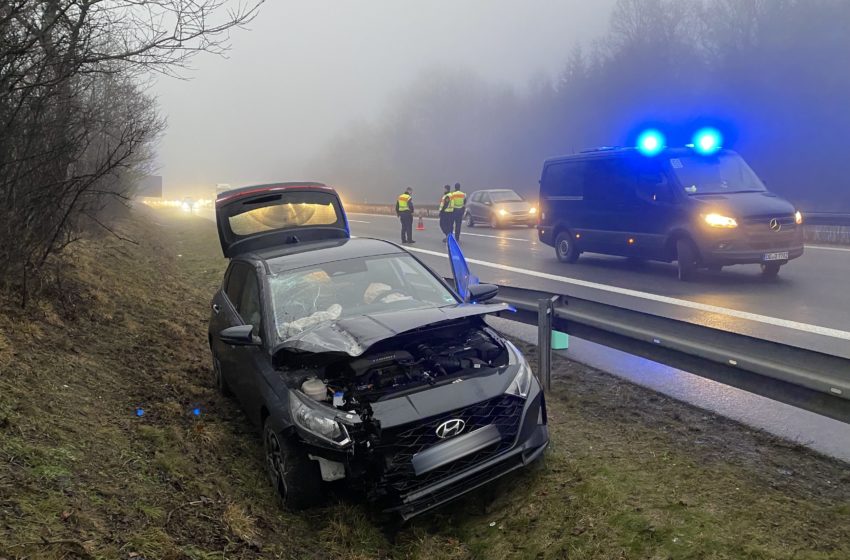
(421, 225)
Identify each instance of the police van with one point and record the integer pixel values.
(702, 208)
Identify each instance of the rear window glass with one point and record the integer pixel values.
(265, 215)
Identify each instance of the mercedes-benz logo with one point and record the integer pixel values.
(450, 428)
(775, 225)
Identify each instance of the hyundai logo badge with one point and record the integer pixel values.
(775, 225)
(450, 428)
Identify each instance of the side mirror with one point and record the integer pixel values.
(488, 203)
(482, 292)
(240, 335)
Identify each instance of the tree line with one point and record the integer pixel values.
(77, 124)
(771, 74)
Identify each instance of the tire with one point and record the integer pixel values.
(470, 222)
(770, 270)
(295, 477)
(715, 268)
(686, 257)
(220, 383)
(565, 248)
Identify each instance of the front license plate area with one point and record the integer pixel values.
(781, 256)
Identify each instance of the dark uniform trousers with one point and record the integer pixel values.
(406, 218)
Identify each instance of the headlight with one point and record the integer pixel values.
(532, 210)
(521, 385)
(798, 217)
(317, 421)
(720, 221)
(186, 207)
(503, 212)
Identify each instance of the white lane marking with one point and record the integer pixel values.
(359, 221)
(775, 321)
(494, 236)
(824, 248)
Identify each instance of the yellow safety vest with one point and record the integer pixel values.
(403, 200)
(446, 207)
(458, 198)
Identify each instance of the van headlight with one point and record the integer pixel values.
(720, 221)
(798, 217)
(316, 420)
(521, 384)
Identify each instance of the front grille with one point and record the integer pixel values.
(399, 445)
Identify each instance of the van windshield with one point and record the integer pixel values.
(717, 174)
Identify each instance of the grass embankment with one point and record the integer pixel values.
(630, 474)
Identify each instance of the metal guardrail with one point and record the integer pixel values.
(802, 378)
(826, 219)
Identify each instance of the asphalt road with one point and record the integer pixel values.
(807, 306)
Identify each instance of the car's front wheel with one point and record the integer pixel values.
(295, 478)
(470, 221)
(494, 222)
(218, 376)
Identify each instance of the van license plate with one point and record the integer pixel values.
(783, 256)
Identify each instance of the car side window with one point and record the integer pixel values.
(249, 303)
(476, 197)
(235, 283)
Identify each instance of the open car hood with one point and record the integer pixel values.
(355, 335)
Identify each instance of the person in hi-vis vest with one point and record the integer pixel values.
(404, 211)
(446, 213)
(458, 209)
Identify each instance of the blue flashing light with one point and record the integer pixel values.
(140, 412)
(707, 141)
(650, 142)
(196, 411)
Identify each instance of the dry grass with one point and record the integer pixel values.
(630, 474)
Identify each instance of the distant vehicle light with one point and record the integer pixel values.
(707, 141)
(532, 210)
(650, 142)
(186, 207)
(720, 221)
(798, 217)
(503, 212)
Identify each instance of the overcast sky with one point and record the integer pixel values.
(306, 68)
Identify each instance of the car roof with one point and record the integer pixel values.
(299, 255)
(612, 152)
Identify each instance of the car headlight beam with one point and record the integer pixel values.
(320, 423)
(720, 221)
(798, 217)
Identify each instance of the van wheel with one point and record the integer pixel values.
(295, 478)
(770, 270)
(686, 256)
(565, 248)
(470, 222)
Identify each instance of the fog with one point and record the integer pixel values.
(373, 97)
(305, 71)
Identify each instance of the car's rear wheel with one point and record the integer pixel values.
(470, 221)
(686, 256)
(220, 382)
(770, 270)
(295, 478)
(565, 248)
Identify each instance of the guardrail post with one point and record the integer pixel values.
(545, 313)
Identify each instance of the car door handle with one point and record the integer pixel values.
(216, 308)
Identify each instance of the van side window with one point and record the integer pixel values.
(652, 183)
(610, 180)
(564, 180)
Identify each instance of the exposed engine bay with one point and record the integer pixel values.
(405, 363)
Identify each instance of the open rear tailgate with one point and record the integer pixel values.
(264, 216)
